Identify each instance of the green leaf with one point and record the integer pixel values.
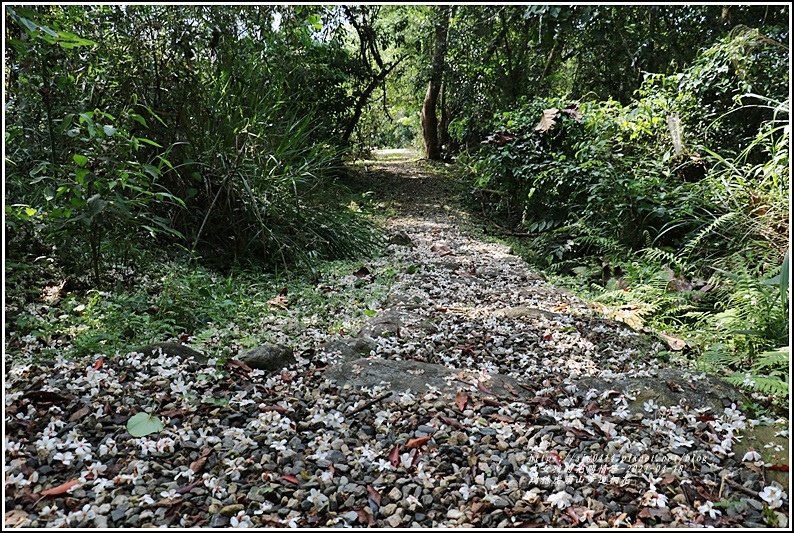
(144, 424)
(109, 130)
(147, 141)
(80, 160)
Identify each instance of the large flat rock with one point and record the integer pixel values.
(669, 387)
(416, 376)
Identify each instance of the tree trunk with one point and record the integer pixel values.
(429, 118)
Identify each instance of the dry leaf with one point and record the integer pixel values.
(15, 518)
(277, 408)
(547, 120)
(60, 489)
(188, 488)
(606, 427)
(572, 513)
(364, 517)
(452, 422)
(417, 442)
(491, 402)
(482, 387)
(674, 343)
(198, 464)
(502, 418)
(290, 478)
(441, 249)
(80, 413)
(578, 432)
(460, 399)
(417, 455)
(394, 456)
(280, 300)
(232, 363)
(43, 396)
(374, 495)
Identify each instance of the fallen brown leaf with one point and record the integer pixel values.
(15, 518)
(452, 422)
(394, 456)
(60, 489)
(198, 464)
(80, 413)
(374, 495)
(234, 363)
(460, 399)
(418, 442)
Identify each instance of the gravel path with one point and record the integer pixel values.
(295, 448)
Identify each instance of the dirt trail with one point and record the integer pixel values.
(533, 412)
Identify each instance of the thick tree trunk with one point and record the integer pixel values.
(430, 122)
(429, 118)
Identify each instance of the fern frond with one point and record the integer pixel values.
(773, 359)
(762, 384)
(696, 241)
(721, 355)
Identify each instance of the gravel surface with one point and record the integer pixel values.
(251, 448)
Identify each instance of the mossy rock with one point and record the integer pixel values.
(759, 437)
(670, 387)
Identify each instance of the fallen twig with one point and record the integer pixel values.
(742, 488)
(371, 403)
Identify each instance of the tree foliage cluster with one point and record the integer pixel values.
(221, 128)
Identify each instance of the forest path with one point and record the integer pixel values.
(494, 399)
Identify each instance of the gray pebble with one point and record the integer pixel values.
(755, 504)
(219, 521)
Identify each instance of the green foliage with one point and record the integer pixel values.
(144, 424)
(214, 129)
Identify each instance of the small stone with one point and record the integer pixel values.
(395, 494)
(255, 495)
(388, 510)
(119, 510)
(219, 521)
(454, 514)
(755, 504)
(394, 520)
(502, 503)
(231, 510)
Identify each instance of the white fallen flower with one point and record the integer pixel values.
(773, 496)
(751, 456)
(708, 508)
(561, 499)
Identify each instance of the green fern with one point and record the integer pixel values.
(763, 384)
(773, 362)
